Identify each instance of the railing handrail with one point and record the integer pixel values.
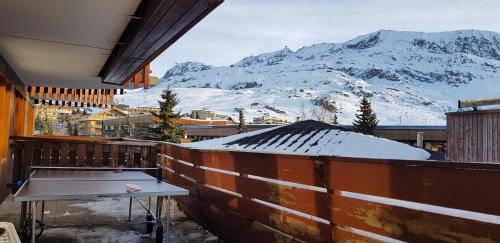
(90, 140)
(401, 162)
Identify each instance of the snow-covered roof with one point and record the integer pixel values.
(315, 138)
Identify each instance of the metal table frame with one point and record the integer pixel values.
(29, 206)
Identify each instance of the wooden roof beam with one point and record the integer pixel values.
(159, 24)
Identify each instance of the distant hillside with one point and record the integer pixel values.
(411, 77)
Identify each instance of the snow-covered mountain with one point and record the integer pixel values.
(410, 77)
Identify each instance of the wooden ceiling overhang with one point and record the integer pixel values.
(102, 98)
(155, 26)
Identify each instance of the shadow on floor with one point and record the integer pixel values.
(105, 221)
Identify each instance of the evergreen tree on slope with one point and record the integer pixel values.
(242, 128)
(128, 128)
(166, 129)
(365, 121)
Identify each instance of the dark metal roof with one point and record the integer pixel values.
(231, 126)
(282, 134)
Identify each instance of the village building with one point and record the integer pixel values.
(206, 114)
(269, 120)
(142, 124)
(91, 124)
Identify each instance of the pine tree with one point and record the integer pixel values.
(366, 121)
(166, 129)
(335, 119)
(49, 126)
(69, 128)
(76, 129)
(45, 125)
(39, 124)
(127, 129)
(119, 132)
(242, 128)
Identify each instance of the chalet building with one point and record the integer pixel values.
(206, 132)
(141, 110)
(433, 137)
(269, 120)
(47, 112)
(206, 114)
(143, 122)
(91, 124)
(153, 81)
(55, 115)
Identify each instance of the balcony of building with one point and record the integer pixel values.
(264, 197)
(81, 53)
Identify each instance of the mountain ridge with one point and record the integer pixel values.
(401, 71)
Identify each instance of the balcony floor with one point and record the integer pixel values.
(104, 221)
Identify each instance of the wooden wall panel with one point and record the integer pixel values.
(423, 184)
(407, 224)
(286, 222)
(473, 136)
(4, 124)
(14, 120)
(298, 169)
(302, 200)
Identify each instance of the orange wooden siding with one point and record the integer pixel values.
(5, 125)
(140, 79)
(16, 119)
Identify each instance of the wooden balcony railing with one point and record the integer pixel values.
(260, 197)
(79, 152)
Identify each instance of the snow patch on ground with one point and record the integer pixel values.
(105, 206)
(104, 234)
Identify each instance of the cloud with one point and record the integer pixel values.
(240, 28)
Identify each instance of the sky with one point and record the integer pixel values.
(240, 28)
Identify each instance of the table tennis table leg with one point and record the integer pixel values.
(149, 203)
(23, 216)
(168, 217)
(130, 210)
(159, 224)
(43, 213)
(33, 224)
(159, 204)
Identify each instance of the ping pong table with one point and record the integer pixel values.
(90, 183)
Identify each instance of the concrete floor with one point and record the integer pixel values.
(105, 221)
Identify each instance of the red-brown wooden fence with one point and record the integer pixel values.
(261, 197)
(258, 197)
